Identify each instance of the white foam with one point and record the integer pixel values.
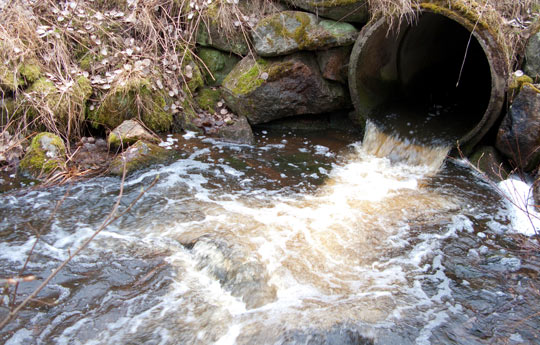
(524, 217)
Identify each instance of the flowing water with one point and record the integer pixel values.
(295, 240)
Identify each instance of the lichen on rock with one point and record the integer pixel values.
(291, 31)
(46, 153)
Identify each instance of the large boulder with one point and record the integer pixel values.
(46, 154)
(268, 89)
(128, 133)
(138, 156)
(291, 31)
(519, 134)
(532, 56)
(343, 10)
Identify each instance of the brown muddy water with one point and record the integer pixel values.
(299, 239)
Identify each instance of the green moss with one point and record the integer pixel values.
(279, 69)
(30, 71)
(299, 35)
(10, 80)
(207, 99)
(248, 80)
(46, 153)
(135, 99)
(517, 82)
(67, 107)
(218, 63)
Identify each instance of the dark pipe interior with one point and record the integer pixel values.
(442, 82)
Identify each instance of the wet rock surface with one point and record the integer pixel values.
(291, 31)
(519, 134)
(266, 90)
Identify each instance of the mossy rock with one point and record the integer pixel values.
(195, 80)
(268, 89)
(30, 71)
(15, 77)
(134, 100)
(218, 63)
(128, 133)
(139, 156)
(66, 107)
(291, 31)
(46, 153)
(207, 99)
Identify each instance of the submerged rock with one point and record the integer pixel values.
(47, 153)
(236, 270)
(128, 133)
(140, 155)
(532, 56)
(266, 90)
(291, 31)
(342, 10)
(519, 134)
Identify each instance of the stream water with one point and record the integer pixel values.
(299, 239)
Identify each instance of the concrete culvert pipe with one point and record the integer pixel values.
(438, 80)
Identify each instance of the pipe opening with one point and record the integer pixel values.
(429, 81)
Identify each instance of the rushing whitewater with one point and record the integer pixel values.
(288, 242)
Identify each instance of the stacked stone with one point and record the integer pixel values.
(297, 62)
